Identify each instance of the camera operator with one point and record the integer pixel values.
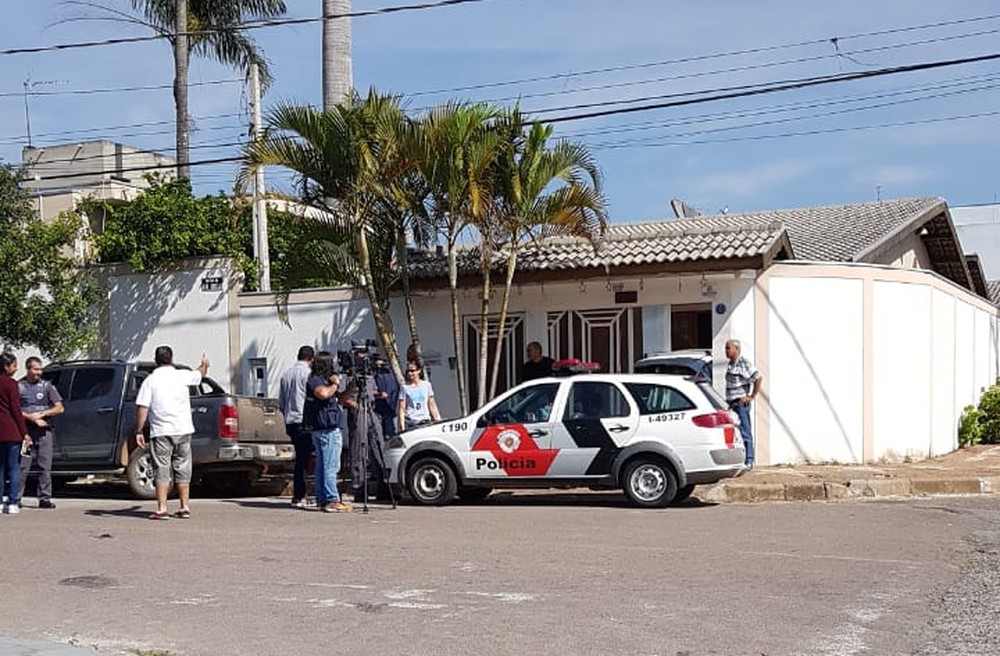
(387, 396)
(363, 424)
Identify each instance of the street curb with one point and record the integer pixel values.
(860, 488)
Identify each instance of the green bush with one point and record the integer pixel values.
(989, 406)
(970, 427)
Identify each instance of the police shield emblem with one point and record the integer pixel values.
(508, 441)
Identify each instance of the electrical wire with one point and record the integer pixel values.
(246, 26)
(87, 92)
(745, 91)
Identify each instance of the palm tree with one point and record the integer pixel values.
(347, 162)
(457, 153)
(533, 204)
(337, 77)
(209, 28)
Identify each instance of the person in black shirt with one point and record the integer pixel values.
(537, 365)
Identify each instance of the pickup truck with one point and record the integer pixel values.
(237, 439)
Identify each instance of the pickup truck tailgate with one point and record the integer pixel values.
(260, 420)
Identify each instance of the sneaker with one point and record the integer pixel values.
(300, 503)
(46, 503)
(13, 509)
(337, 507)
(6, 508)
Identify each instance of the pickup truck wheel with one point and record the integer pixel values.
(649, 482)
(141, 473)
(431, 482)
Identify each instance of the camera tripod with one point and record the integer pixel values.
(369, 431)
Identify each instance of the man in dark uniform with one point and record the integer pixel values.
(40, 401)
(387, 397)
(364, 431)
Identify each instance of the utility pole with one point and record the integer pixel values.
(260, 245)
(181, 88)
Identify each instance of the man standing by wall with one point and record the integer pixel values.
(291, 396)
(165, 400)
(537, 365)
(40, 400)
(742, 386)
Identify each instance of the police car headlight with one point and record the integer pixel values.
(395, 443)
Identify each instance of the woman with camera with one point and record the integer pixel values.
(321, 416)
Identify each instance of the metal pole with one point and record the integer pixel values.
(261, 251)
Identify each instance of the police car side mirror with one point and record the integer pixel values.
(483, 421)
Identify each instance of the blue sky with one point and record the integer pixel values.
(898, 136)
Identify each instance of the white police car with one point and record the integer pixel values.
(655, 436)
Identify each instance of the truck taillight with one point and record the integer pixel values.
(229, 422)
(718, 419)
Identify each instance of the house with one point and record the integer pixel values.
(871, 326)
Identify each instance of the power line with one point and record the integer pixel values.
(756, 90)
(152, 167)
(797, 106)
(247, 26)
(87, 92)
(804, 133)
(70, 134)
(697, 58)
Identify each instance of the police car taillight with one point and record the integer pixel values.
(718, 419)
(574, 366)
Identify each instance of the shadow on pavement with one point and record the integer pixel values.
(134, 512)
(582, 498)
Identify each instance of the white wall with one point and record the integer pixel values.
(149, 310)
(933, 349)
(815, 369)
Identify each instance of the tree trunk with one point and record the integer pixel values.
(383, 322)
(502, 321)
(181, 57)
(456, 327)
(337, 76)
(411, 317)
(484, 338)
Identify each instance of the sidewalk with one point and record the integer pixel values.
(975, 470)
(17, 647)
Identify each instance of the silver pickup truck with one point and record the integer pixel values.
(237, 439)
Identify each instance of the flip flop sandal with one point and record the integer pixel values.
(159, 515)
(183, 514)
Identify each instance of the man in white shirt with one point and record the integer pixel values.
(165, 400)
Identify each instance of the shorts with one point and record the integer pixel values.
(171, 454)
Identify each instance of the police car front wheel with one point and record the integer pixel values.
(649, 482)
(431, 482)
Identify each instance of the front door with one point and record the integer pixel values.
(514, 437)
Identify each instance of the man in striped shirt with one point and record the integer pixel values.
(742, 386)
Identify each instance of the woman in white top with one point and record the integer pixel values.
(416, 400)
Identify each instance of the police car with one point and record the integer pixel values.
(655, 436)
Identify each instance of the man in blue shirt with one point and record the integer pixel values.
(387, 396)
(40, 401)
(291, 397)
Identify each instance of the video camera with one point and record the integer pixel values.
(359, 361)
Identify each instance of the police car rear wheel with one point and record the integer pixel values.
(649, 483)
(432, 482)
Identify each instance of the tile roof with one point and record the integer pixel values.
(668, 242)
(836, 233)
(994, 288)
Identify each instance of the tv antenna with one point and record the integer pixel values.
(29, 85)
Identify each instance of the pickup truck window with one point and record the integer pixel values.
(207, 387)
(60, 379)
(92, 383)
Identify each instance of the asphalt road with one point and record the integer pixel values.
(520, 574)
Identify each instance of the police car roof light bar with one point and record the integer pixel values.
(572, 366)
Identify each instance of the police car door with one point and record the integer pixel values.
(513, 438)
(598, 420)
